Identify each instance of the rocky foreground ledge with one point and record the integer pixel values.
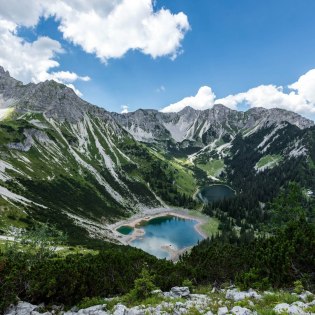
(180, 301)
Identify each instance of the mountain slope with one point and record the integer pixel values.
(68, 162)
(201, 127)
(207, 139)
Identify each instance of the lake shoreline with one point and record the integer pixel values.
(149, 214)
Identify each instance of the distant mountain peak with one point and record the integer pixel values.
(4, 72)
(187, 109)
(201, 126)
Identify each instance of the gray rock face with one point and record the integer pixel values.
(203, 126)
(180, 292)
(31, 136)
(223, 310)
(120, 310)
(238, 310)
(55, 100)
(236, 295)
(93, 310)
(186, 129)
(202, 303)
(22, 308)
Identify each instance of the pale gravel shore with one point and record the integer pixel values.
(148, 214)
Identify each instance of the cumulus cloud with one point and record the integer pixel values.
(305, 86)
(204, 99)
(30, 61)
(124, 109)
(298, 97)
(24, 13)
(65, 76)
(108, 29)
(27, 61)
(111, 29)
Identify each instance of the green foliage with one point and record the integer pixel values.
(90, 301)
(159, 174)
(266, 305)
(193, 311)
(252, 279)
(31, 249)
(289, 206)
(310, 310)
(298, 286)
(249, 209)
(269, 160)
(68, 280)
(143, 287)
(278, 259)
(188, 283)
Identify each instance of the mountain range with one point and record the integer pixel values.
(80, 167)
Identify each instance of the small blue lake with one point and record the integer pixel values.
(167, 232)
(125, 230)
(215, 193)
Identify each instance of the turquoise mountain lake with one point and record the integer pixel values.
(215, 193)
(167, 231)
(125, 230)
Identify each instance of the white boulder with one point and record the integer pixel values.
(238, 310)
(180, 292)
(22, 308)
(223, 310)
(120, 309)
(305, 295)
(237, 295)
(137, 311)
(289, 309)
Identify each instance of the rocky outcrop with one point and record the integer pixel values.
(296, 308)
(179, 301)
(236, 295)
(54, 100)
(203, 126)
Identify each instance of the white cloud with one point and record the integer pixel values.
(26, 61)
(305, 86)
(70, 85)
(124, 109)
(65, 77)
(204, 99)
(32, 61)
(110, 30)
(24, 13)
(300, 97)
(271, 96)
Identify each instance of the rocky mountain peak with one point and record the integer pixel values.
(220, 107)
(52, 98)
(3, 72)
(187, 110)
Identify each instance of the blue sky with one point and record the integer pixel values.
(231, 46)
